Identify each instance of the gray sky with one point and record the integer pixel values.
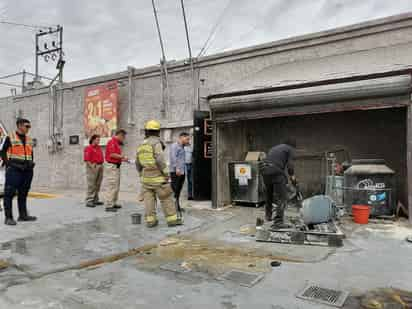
(104, 36)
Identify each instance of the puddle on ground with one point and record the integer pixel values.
(74, 243)
(381, 298)
(387, 298)
(206, 257)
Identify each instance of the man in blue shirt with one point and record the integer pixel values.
(188, 161)
(177, 165)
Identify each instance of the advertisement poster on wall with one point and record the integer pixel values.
(101, 111)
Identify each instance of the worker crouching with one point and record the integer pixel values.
(153, 171)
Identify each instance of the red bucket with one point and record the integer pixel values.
(360, 214)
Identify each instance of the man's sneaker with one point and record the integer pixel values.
(27, 218)
(10, 221)
(111, 209)
(117, 206)
(98, 203)
(91, 205)
(152, 224)
(177, 222)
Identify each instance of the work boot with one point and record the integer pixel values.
(277, 225)
(27, 218)
(90, 204)
(10, 221)
(117, 206)
(152, 224)
(178, 221)
(111, 209)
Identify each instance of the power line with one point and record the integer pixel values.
(10, 75)
(10, 85)
(23, 25)
(213, 31)
(192, 69)
(20, 73)
(175, 8)
(165, 79)
(240, 38)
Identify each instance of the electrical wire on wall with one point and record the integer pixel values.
(212, 33)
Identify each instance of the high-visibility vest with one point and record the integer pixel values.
(151, 173)
(18, 150)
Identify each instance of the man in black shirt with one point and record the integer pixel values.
(17, 155)
(276, 168)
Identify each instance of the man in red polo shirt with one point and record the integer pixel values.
(114, 159)
(93, 157)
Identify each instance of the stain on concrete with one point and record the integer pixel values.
(229, 305)
(387, 298)
(200, 260)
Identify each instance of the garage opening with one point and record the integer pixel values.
(363, 134)
(365, 119)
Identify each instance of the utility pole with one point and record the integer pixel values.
(49, 46)
(192, 68)
(50, 51)
(165, 82)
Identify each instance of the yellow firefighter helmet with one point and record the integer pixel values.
(152, 125)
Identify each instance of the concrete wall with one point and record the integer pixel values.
(319, 52)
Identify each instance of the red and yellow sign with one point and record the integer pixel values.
(101, 110)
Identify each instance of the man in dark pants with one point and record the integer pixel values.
(188, 160)
(278, 162)
(17, 154)
(177, 166)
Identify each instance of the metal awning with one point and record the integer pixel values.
(366, 93)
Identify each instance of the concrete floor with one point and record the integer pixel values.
(48, 260)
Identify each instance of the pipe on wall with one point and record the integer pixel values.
(382, 87)
(130, 95)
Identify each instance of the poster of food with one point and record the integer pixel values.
(101, 111)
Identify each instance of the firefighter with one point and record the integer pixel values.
(153, 171)
(17, 154)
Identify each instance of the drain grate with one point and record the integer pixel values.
(241, 277)
(324, 296)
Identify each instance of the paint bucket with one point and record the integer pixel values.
(136, 218)
(360, 214)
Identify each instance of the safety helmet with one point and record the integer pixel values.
(152, 125)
